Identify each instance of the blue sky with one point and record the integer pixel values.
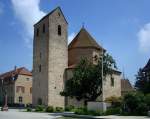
(121, 26)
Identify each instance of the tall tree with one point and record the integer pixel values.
(143, 81)
(86, 82)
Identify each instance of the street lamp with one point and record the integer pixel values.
(4, 93)
(102, 77)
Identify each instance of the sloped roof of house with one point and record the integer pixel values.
(147, 66)
(17, 71)
(84, 39)
(126, 85)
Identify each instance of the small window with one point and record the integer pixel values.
(37, 32)
(43, 28)
(28, 79)
(95, 58)
(40, 55)
(20, 88)
(59, 30)
(112, 81)
(20, 99)
(30, 90)
(58, 14)
(39, 68)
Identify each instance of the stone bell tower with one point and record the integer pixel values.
(50, 59)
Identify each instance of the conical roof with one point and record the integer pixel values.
(84, 39)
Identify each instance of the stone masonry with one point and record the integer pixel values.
(50, 59)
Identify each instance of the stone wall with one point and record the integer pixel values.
(40, 59)
(54, 60)
(57, 58)
(108, 89)
(26, 82)
(75, 54)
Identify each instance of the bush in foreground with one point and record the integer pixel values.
(113, 111)
(50, 109)
(39, 108)
(69, 108)
(59, 109)
(135, 104)
(29, 109)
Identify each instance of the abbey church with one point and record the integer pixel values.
(54, 61)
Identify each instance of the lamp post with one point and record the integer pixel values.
(102, 77)
(4, 93)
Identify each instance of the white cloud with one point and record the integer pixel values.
(70, 37)
(144, 38)
(28, 12)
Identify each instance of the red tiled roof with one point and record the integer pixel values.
(21, 71)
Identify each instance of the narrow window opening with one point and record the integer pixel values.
(59, 30)
(20, 99)
(39, 68)
(58, 14)
(43, 28)
(112, 81)
(37, 32)
(40, 55)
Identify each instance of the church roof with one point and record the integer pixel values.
(50, 14)
(84, 39)
(147, 66)
(126, 85)
(17, 71)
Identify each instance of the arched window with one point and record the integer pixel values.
(59, 30)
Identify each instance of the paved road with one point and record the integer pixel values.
(17, 114)
(126, 117)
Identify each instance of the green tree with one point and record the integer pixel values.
(135, 103)
(86, 83)
(143, 81)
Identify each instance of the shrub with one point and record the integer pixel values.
(29, 109)
(59, 109)
(135, 104)
(142, 109)
(95, 113)
(147, 99)
(113, 111)
(39, 108)
(80, 111)
(50, 109)
(69, 108)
